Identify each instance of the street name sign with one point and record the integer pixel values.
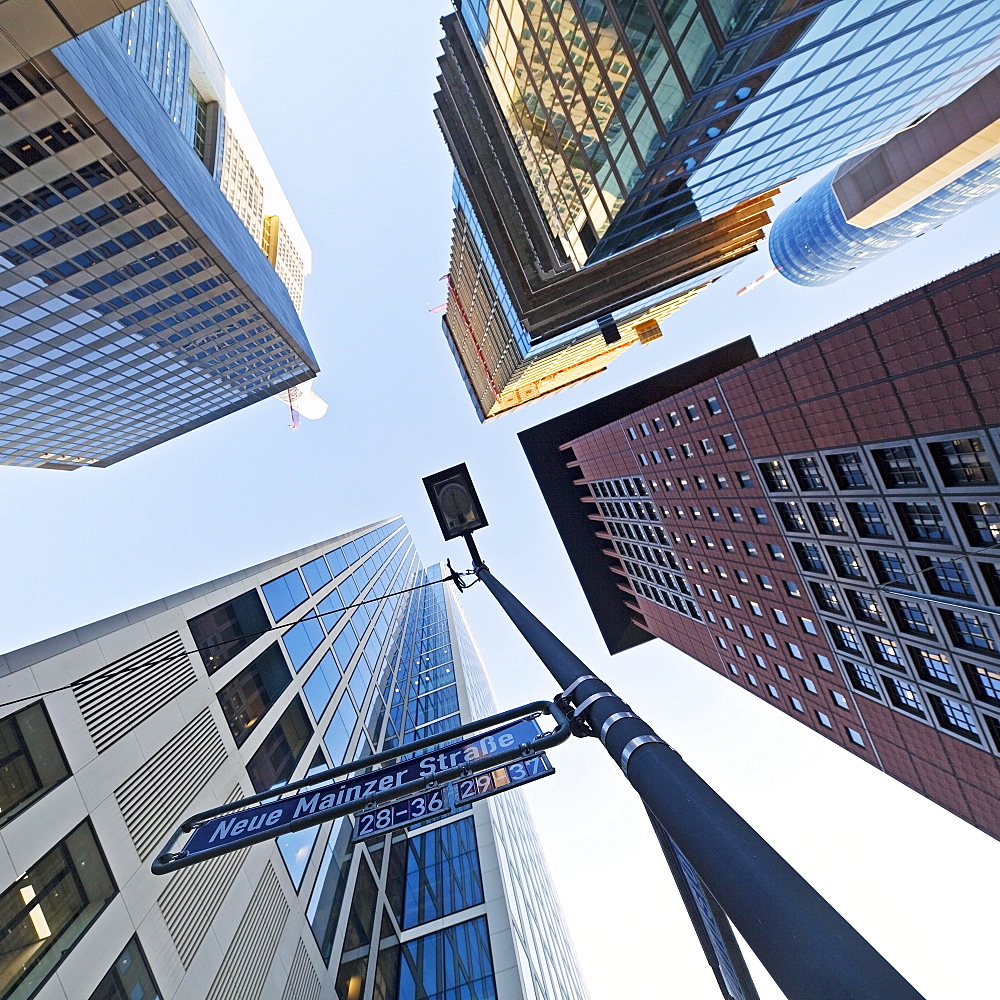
(272, 818)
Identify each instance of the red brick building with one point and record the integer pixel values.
(821, 526)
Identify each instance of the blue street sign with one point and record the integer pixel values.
(441, 801)
(316, 805)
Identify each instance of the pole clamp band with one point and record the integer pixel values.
(575, 685)
(612, 719)
(631, 747)
(587, 702)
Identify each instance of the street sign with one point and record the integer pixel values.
(438, 802)
(222, 831)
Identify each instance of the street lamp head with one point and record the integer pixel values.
(455, 502)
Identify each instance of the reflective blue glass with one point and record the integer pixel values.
(338, 734)
(348, 592)
(360, 679)
(317, 574)
(284, 594)
(321, 684)
(345, 645)
(453, 964)
(442, 873)
(301, 641)
(336, 561)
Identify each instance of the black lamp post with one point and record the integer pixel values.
(810, 951)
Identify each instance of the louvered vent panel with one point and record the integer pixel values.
(193, 897)
(248, 959)
(152, 801)
(130, 690)
(303, 983)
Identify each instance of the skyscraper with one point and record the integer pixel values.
(613, 154)
(151, 266)
(114, 732)
(820, 526)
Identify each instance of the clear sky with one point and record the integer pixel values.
(341, 96)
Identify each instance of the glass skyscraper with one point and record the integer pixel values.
(112, 733)
(149, 276)
(616, 152)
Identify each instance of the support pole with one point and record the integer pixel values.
(810, 951)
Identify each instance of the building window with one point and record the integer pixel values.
(671, 454)
(792, 588)
(129, 978)
(792, 516)
(890, 567)
(302, 639)
(440, 874)
(782, 672)
(773, 691)
(922, 522)
(985, 682)
(824, 720)
(912, 618)
(317, 574)
(632, 434)
(644, 427)
(275, 759)
(31, 760)
(224, 631)
(796, 704)
(779, 616)
(886, 651)
(969, 631)
(746, 480)
(963, 462)
(752, 679)
(454, 962)
(808, 474)
(769, 640)
(692, 413)
(991, 575)
(720, 481)
(824, 662)
(827, 597)
(714, 513)
(904, 695)
(808, 626)
(848, 471)
(955, 716)
(934, 667)
(701, 482)
(706, 446)
(794, 651)
(845, 562)
(756, 609)
(735, 515)
(865, 607)
(658, 424)
(840, 700)
(642, 458)
(809, 557)
(734, 601)
(855, 737)
(688, 450)
(810, 685)
(775, 479)
(247, 697)
(862, 678)
(765, 582)
(869, 520)
(846, 638)
(48, 909)
(827, 518)
(759, 515)
(981, 522)
(657, 460)
(713, 406)
(899, 467)
(675, 421)
(728, 442)
(945, 576)
(749, 547)
(284, 594)
(747, 631)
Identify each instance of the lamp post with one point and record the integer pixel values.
(810, 950)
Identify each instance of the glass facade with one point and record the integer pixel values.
(811, 243)
(124, 322)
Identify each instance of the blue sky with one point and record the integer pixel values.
(342, 97)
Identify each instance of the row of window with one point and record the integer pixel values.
(922, 522)
(712, 405)
(960, 462)
(796, 703)
(966, 630)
